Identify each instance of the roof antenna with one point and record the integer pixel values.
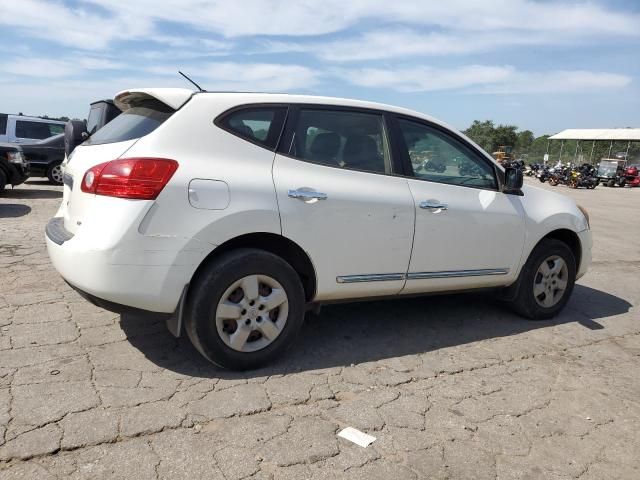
(197, 86)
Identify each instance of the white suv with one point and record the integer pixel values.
(232, 213)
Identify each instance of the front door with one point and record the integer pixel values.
(468, 234)
(340, 203)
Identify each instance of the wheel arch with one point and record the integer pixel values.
(566, 236)
(279, 245)
(569, 238)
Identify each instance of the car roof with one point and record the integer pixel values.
(36, 119)
(257, 97)
(176, 97)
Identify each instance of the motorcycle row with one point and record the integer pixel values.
(573, 176)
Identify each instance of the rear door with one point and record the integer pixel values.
(340, 201)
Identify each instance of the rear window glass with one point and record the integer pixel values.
(261, 125)
(3, 123)
(142, 118)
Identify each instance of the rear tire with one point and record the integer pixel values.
(230, 319)
(54, 173)
(3, 181)
(540, 296)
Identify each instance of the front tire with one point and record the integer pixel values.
(54, 173)
(3, 181)
(245, 309)
(546, 281)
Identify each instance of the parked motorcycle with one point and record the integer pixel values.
(533, 169)
(543, 173)
(559, 175)
(583, 176)
(434, 166)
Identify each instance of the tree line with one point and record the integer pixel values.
(531, 148)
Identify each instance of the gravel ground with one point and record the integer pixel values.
(451, 386)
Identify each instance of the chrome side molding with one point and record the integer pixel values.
(387, 277)
(380, 277)
(457, 273)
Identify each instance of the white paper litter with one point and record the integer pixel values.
(357, 437)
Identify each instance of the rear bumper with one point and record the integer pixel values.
(144, 273)
(115, 307)
(586, 242)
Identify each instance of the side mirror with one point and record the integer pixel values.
(75, 132)
(513, 181)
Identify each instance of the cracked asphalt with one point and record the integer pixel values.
(451, 386)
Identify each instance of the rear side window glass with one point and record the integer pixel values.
(261, 125)
(3, 123)
(344, 139)
(144, 116)
(37, 130)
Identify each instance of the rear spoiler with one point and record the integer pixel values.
(173, 97)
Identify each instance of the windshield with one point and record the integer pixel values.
(144, 116)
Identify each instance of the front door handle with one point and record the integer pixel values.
(307, 195)
(433, 205)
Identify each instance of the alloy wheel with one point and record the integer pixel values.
(56, 173)
(252, 313)
(550, 281)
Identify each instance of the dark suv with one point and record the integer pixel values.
(14, 169)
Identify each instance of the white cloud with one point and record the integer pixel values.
(405, 42)
(559, 81)
(262, 77)
(425, 79)
(83, 27)
(72, 27)
(308, 17)
(53, 68)
(483, 79)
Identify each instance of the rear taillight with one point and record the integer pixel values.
(138, 178)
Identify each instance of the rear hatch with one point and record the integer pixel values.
(143, 112)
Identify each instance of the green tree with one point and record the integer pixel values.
(482, 133)
(504, 135)
(524, 141)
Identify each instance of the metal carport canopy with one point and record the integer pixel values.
(626, 134)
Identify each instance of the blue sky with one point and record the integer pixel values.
(541, 65)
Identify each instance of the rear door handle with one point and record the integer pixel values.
(433, 205)
(306, 195)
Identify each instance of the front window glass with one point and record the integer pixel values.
(343, 139)
(438, 157)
